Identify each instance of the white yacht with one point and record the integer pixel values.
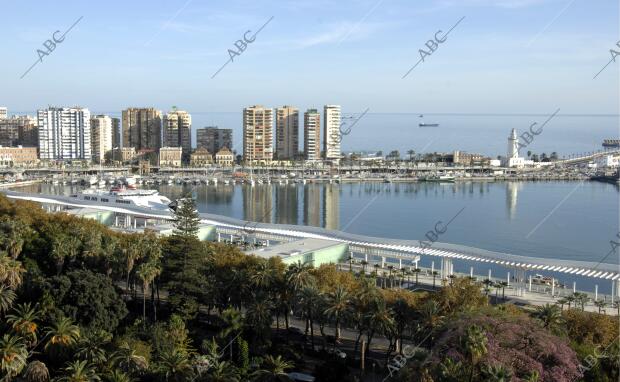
(121, 196)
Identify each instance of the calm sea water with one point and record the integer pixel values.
(566, 220)
(556, 220)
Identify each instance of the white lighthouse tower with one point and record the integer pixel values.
(512, 157)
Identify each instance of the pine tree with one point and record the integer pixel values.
(186, 219)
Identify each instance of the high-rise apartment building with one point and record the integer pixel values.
(213, 139)
(101, 137)
(257, 134)
(4, 112)
(19, 131)
(331, 139)
(312, 135)
(178, 130)
(64, 133)
(287, 132)
(116, 132)
(142, 128)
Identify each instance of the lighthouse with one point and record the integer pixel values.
(513, 145)
(512, 157)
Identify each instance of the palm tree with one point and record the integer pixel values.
(273, 370)
(431, 317)
(364, 264)
(79, 371)
(62, 333)
(132, 252)
(503, 285)
(569, 300)
(549, 315)
(222, 371)
(37, 372)
(263, 277)
(417, 272)
(13, 355)
(411, 153)
(147, 273)
(338, 305)
(259, 316)
(23, 321)
(10, 271)
(390, 268)
(128, 359)
(308, 301)
(380, 320)
(174, 365)
(435, 274)
(582, 299)
(600, 304)
(497, 373)
(7, 296)
(118, 376)
(376, 269)
(474, 344)
(91, 347)
(299, 276)
(562, 302)
(14, 231)
(487, 285)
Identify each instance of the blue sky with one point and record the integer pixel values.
(506, 56)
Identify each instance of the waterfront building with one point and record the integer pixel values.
(178, 130)
(141, 128)
(512, 157)
(101, 137)
(213, 138)
(116, 132)
(287, 132)
(307, 251)
(331, 138)
(312, 135)
(124, 154)
(258, 134)
(4, 112)
(18, 156)
(19, 131)
(225, 157)
(201, 157)
(468, 159)
(607, 161)
(170, 156)
(64, 133)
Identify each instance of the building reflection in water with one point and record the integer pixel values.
(512, 191)
(286, 203)
(331, 206)
(257, 203)
(312, 205)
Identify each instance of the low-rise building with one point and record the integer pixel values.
(224, 157)
(170, 156)
(468, 159)
(200, 157)
(18, 156)
(305, 251)
(124, 154)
